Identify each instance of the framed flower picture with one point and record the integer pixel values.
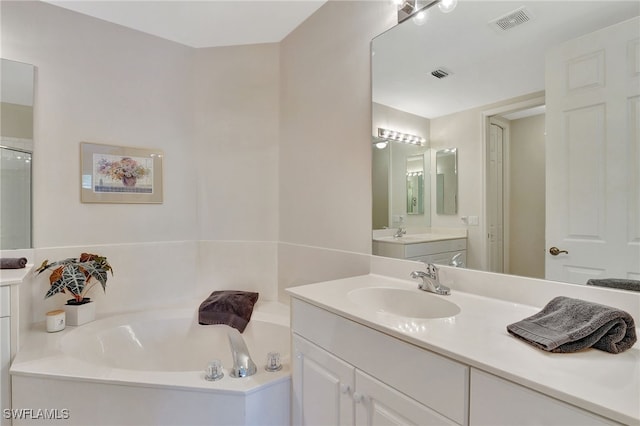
(119, 174)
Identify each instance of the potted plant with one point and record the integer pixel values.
(74, 276)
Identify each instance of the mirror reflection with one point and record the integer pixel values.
(415, 184)
(548, 149)
(16, 146)
(446, 181)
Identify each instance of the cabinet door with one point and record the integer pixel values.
(322, 387)
(378, 404)
(5, 360)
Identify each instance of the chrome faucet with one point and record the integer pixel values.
(243, 365)
(430, 281)
(400, 232)
(457, 261)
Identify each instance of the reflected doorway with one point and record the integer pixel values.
(515, 192)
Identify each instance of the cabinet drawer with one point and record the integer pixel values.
(431, 379)
(5, 301)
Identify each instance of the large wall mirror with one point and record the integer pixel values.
(541, 100)
(16, 146)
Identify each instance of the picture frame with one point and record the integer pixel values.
(120, 174)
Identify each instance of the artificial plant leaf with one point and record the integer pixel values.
(97, 272)
(56, 287)
(74, 279)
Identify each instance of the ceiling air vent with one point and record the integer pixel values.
(512, 19)
(440, 73)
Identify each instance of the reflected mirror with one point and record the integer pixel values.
(522, 91)
(446, 181)
(400, 184)
(415, 184)
(16, 145)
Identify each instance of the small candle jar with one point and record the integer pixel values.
(55, 321)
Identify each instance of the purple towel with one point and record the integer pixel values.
(13, 262)
(230, 307)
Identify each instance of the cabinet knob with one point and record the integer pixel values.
(299, 355)
(344, 388)
(358, 397)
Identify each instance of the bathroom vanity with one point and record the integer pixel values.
(429, 246)
(360, 357)
(9, 281)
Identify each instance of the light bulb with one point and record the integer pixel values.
(381, 145)
(447, 6)
(420, 18)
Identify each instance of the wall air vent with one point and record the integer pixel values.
(440, 73)
(512, 19)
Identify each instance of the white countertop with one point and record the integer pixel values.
(417, 238)
(14, 276)
(419, 235)
(597, 381)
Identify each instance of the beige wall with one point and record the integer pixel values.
(527, 197)
(462, 131)
(325, 148)
(103, 83)
(237, 135)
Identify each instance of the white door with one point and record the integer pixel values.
(322, 387)
(380, 405)
(593, 156)
(495, 200)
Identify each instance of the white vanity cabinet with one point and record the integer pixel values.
(322, 386)
(345, 373)
(495, 402)
(329, 391)
(438, 252)
(5, 352)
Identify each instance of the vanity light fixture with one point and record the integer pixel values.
(418, 8)
(396, 136)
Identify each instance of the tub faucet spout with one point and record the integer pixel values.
(243, 365)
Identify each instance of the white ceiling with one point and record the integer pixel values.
(486, 65)
(202, 23)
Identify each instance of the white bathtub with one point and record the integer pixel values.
(148, 368)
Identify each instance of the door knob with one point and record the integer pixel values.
(556, 251)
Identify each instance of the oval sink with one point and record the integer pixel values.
(406, 303)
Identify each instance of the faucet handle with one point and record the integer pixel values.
(432, 271)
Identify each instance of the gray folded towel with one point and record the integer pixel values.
(569, 325)
(230, 307)
(633, 285)
(13, 262)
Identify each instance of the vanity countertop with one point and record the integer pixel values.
(14, 276)
(597, 381)
(419, 235)
(418, 238)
